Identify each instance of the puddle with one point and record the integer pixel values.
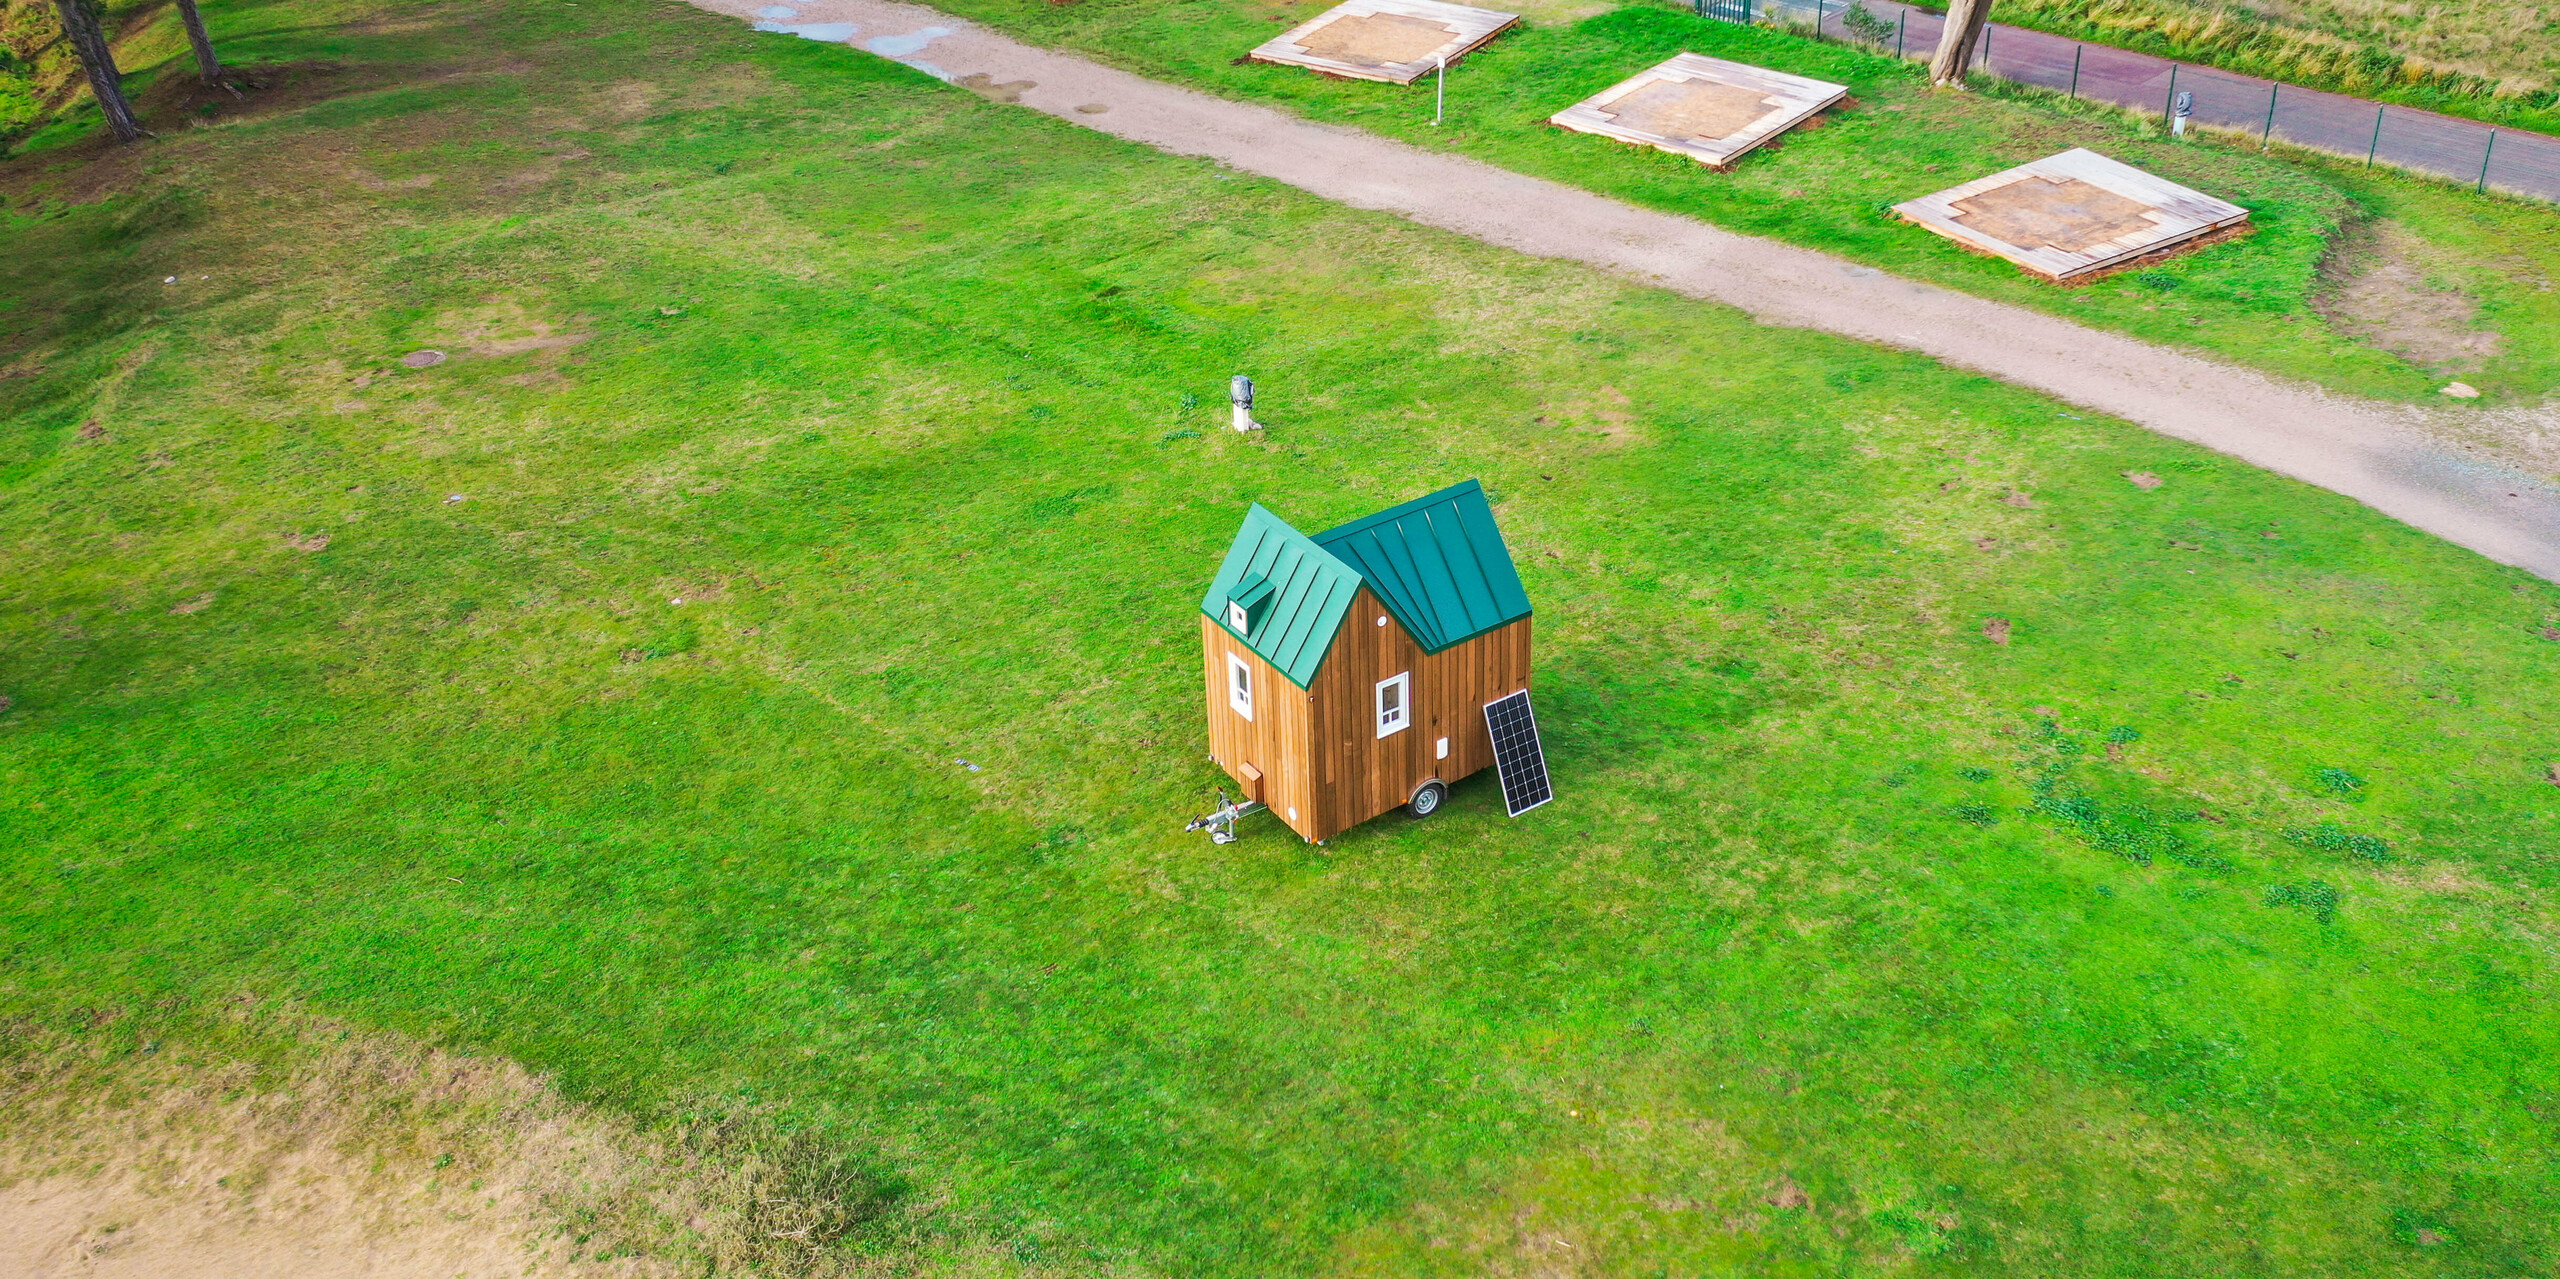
(830, 32)
(897, 48)
(901, 49)
(777, 12)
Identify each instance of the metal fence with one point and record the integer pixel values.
(2465, 151)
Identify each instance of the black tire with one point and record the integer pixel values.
(1427, 799)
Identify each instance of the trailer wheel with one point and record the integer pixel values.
(1427, 799)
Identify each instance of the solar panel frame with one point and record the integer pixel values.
(1519, 754)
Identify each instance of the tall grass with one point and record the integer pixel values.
(2482, 59)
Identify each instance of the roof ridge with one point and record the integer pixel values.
(1393, 512)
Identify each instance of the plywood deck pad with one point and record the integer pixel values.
(2069, 215)
(1397, 41)
(1705, 108)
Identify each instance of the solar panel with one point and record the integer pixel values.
(1517, 754)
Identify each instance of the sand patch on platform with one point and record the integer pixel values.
(2071, 215)
(1377, 39)
(1699, 109)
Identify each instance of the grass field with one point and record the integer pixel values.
(594, 698)
(1832, 187)
(2279, 300)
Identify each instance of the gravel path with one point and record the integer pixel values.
(2380, 455)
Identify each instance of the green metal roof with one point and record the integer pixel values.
(1309, 591)
(1437, 563)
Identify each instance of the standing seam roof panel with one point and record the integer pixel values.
(1392, 576)
(1291, 643)
(1311, 590)
(1438, 563)
(1473, 598)
(1501, 576)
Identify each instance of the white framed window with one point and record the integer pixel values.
(1238, 620)
(1240, 685)
(1395, 703)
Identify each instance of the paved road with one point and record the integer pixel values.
(2516, 162)
(2377, 454)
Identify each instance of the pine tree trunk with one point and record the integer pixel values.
(208, 67)
(80, 23)
(1965, 20)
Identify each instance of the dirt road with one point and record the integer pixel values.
(2392, 458)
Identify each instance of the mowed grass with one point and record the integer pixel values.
(1831, 186)
(810, 428)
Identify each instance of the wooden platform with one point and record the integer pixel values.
(1397, 41)
(2069, 215)
(1705, 108)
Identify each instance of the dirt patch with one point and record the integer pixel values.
(175, 102)
(1996, 630)
(346, 1153)
(1377, 40)
(2377, 288)
(2143, 480)
(986, 87)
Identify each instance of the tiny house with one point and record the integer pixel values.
(1350, 673)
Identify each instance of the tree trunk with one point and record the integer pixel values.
(208, 67)
(1965, 20)
(80, 23)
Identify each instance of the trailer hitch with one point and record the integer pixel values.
(1221, 824)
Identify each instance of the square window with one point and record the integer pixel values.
(1240, 685)
(1395, 703)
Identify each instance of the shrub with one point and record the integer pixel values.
(2311, 894)
(2330, 837)
(1863, 23)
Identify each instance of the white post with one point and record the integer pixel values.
(1440, 98)
(1240, 396)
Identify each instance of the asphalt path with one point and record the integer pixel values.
(2519, 163)
(2379, 454)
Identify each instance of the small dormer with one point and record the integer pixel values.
(1249, 604)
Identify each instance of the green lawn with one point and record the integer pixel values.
(2200, 928)
(1832, 187)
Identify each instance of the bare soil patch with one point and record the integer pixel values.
(367, 1154)
(2379, 291)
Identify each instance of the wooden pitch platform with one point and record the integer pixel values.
(1398, 41)
(1705, 108)
(2068, 216)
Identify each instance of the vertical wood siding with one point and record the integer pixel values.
(1360, 775)
(1274, 741)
